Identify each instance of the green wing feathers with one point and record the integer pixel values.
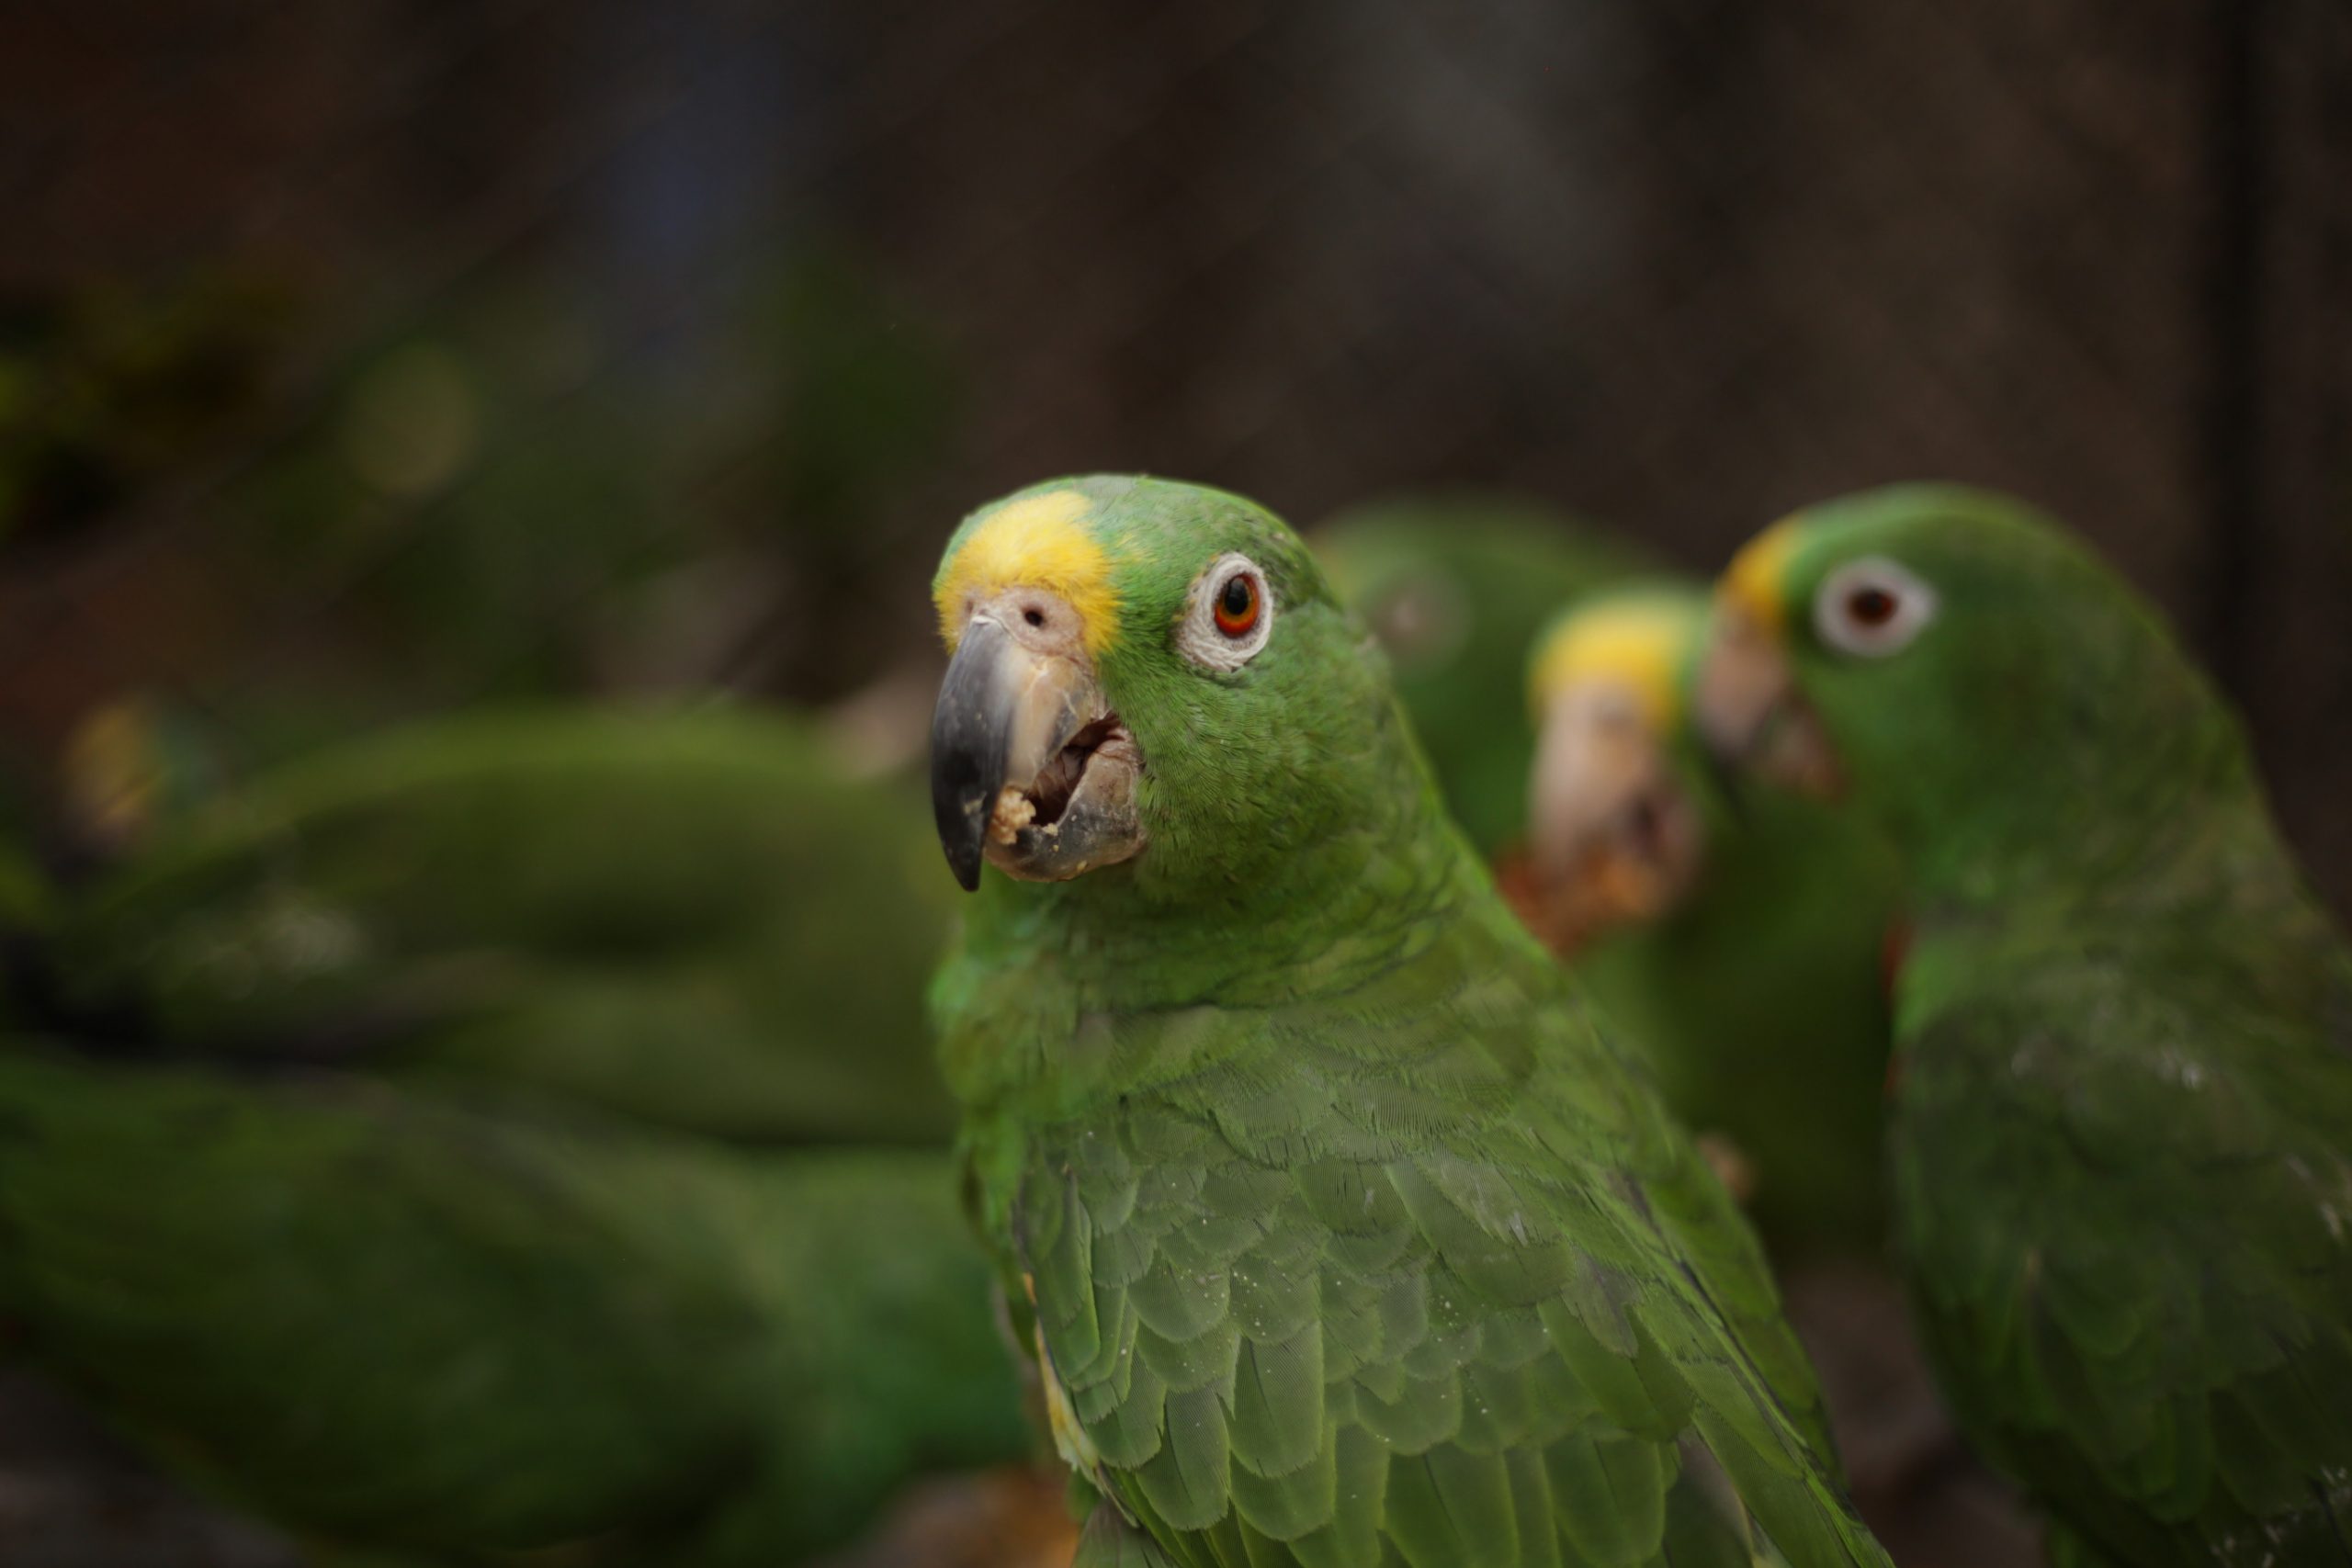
(1296, 1322)
(409, 1323)
(694, 919)
(2157, 1333)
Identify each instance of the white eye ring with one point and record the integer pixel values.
(1201, 638)
(1872, 606)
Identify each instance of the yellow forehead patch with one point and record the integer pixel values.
(1753, 580)
(1638, 645)
(1035, 542)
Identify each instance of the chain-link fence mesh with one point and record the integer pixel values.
(397, 355)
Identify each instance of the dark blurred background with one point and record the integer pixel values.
(388, 356)
(402, 353)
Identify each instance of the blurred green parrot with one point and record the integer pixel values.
(1342, 1234)
(1740, 940)
(1456, 587)
(414, 1326)
(409, 1148)
(693, 918)
(2122, 1136)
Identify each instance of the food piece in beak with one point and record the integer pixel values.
(1030, 768)
(1612, 836)
(1751, 715)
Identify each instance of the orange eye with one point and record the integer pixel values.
(1228, 614)
(1237, 605)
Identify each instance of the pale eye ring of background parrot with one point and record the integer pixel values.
(1874, 608)
(1421, 623)
(1229, 614)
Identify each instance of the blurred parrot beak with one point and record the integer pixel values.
(1751, 715)
(1030, 768)
(1612, 836)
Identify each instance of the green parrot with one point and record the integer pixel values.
(407, 1146)
(1456, 587)
(2122, 1134)
(1739, 940)
(1342, 1236)
(694, 919)
(415, 1327)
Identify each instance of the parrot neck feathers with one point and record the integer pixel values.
(2165, 825)
(2119, 767)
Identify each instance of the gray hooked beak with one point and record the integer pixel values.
(1030, 768)
(1751, 716)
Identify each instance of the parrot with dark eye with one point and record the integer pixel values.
(1739, 940)
(2121, 1135)
(694, 919)
(1455, 586)
(1342, 1234)
(413, 1148)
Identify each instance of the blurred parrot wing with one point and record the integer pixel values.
(2156, 1327)
(677, 917)
(409, 1320)
(394, 1322)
